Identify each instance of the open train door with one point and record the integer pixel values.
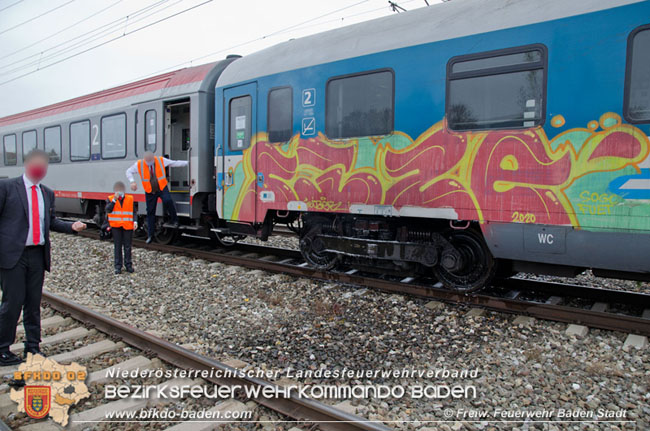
(236, 166)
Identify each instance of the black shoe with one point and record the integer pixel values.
(33, 351)
(17, 384)
(118, 271)
(8, 358)
(130, 270)
(149, 240)
(176, 224)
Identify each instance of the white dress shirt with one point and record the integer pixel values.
(41, 211)
(133, 169)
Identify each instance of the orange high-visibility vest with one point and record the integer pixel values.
(122, 214)
(143, 170)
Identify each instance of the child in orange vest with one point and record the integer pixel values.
(121, 214)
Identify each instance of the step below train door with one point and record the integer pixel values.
(237, 168)
(178, 146)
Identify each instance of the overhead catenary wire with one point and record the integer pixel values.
(108, 41)
(93, 35)
(122, 25)
(92, 15)
(351, 16)
(11, 5)
(35, 17)
(293, 27)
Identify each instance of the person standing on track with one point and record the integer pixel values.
(121, 214)
(27, 215)
(154, 182)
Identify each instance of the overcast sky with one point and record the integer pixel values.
(210, 31)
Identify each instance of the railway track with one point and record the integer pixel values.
(608, 309)
(74, 322)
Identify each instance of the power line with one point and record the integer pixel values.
(352, 15)
(291, 28)
(101, 31)
(13, 4)
(275, 33)
(84, 42)
(92, 15)
(36, 17)
(284, 30)
(108, 41)
(100, 34)
(314, 19)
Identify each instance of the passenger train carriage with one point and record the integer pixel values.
(93, 139)
(466, 140)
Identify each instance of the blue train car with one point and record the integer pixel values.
(469, 139)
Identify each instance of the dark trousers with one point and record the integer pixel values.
(152, 202)
(22, 287)
(122, 239)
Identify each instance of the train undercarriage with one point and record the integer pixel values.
(455, 254)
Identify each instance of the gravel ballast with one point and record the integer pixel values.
(275, 321)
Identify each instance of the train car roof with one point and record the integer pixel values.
(182, 81)
(438, 22)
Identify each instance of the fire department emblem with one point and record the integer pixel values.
(37, 401)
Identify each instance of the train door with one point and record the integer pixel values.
(237, 164)
(178, 142)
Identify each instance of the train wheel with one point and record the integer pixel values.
(166, 235)
(312, 250)
(476, 267)
(225, 240)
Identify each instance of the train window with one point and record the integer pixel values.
(52, 140)
(11, 156)
(280, 114)
(637, 82)
(497, 61)
(80, 141)
(113, 136)
(240, 123)
(497, 90)
(360, 105)
(150, 121)
(29, 142)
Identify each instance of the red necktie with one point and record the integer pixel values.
(36, 218)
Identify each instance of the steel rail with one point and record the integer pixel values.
(547, 311)
(301, 409)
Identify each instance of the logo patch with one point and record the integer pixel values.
(37, 401)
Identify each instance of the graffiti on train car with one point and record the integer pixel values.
(521, 176)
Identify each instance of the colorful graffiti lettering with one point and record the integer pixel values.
(597, 203)
(485, 176)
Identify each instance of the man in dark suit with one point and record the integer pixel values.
(26, 216)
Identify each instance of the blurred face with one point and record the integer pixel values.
(119, 191)
(148, 157)
(36, 168)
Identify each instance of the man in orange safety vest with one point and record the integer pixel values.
(151, 169)
(121, 218)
